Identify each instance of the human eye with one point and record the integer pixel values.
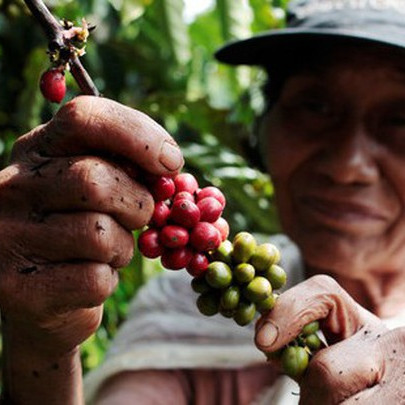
(308, 98)
(396, 120)
(313, 105)
(309, 112)
(392, 127)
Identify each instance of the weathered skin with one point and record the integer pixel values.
(366, 366)
(67, 210)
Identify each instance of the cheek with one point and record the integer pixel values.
(285, 159)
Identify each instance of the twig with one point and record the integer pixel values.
(54, 31)
(82, 77)
(48, 22)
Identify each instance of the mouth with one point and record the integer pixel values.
(342, 215)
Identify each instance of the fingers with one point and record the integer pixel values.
(49, 289)
(78, 285)
(375, 396)
(389, 388)
(319, 297)
(75, 236)
(84, 184)
(368, 368)
(343, 369)
(96, 124)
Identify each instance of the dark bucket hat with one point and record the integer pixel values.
(319, 22)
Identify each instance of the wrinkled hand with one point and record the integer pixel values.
(364, 365)
(67, 209)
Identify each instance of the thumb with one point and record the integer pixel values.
(318, 298)
(90, 124)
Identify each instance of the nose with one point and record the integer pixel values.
(349, 156)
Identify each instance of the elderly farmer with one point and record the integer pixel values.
(333, 138)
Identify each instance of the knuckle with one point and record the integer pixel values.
(100, 232)
(95, 179)
(342, 367)
(19, 146)
(122, 250)
(321, 368)
(26, 142)
(324, 282)
(112, 243)
(143, 209)
(75, 115)
(98, 284)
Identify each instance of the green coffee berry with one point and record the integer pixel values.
(258, 289)
(313, 342)
(264, 256)
(200, 285)
(224, 252)
(244, 273)
(244, 244)
(208, 303)
(230, 297)
(294, 360)
(310, 328)
(267, 304)
(226, 313)
(276, 275)
(218, 275)
(245, 313)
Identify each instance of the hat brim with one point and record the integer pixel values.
(265, 48)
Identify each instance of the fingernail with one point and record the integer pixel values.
(170, 156)
(266, 335)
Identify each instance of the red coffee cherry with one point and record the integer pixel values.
(160, 214)
(223, 227)
(176, 259)
(198, 264)
(185, 182)
(185, 213)
(163, 188)
(211, 191)
(173, 236)
(210, 209)
(149, 245)
(184, 195)
(53, 85)
(205, 237)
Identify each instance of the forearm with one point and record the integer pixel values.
(31, 376)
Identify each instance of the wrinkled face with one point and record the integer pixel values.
(336, 153)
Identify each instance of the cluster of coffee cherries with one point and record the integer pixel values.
(237, 278)
(234, 278)
(186, 224)
(240, 279)
(295, 356)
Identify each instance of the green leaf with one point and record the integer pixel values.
(168, 30)
(130, 10)
(234, 19)
(31, 101)
(267, 14)
(176, 29)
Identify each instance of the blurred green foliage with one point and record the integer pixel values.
(144, 54)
